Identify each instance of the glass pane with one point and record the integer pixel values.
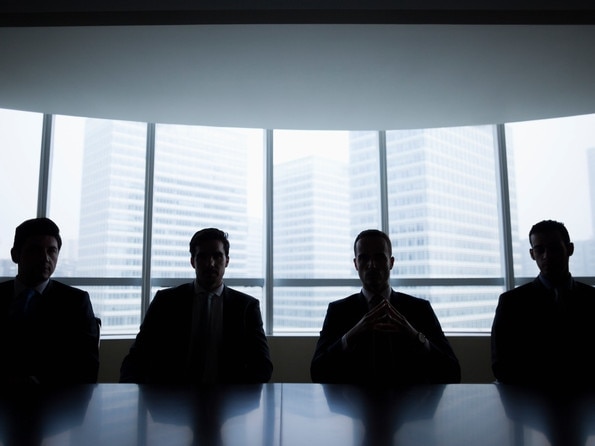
(20, 139)
(106, 228)
(554, 165)
(118, 307)
(302, 309)
(207, 177)
(97, 190)
(320, 180)
(325, 192)
(64, 203)
(443, 212)
(460, 308)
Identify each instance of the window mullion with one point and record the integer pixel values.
(148, 217)
(383, 176)
(45, 166)
(504, 205)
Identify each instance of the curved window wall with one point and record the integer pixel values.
(457, 202)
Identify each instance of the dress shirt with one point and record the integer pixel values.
(19, 287)
(560, 291)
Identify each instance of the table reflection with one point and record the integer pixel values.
(29, 414)
(383, 412)
(564, 415)
(205, 413)
(296, 414)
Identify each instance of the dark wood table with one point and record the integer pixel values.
(295, 415)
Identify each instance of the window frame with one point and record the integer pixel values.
(268, 282)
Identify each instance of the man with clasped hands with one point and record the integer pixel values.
(380, 336)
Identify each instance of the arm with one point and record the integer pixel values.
(504, 350)
(88, 368)
(440, 359)
(136, 363)
(330, 361)
(77, 358)
(259, 366)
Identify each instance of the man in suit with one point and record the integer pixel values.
(201, 332)
(542, 333)
(380, 336)
(48, 331)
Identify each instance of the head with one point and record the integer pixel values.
(373, 259)
(551, 249)
(35, 250)
(209, 256)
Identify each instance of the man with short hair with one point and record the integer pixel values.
(48, 331)
(542, 333)
(379, 336)
(202, 332)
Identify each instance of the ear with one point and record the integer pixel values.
(355, 263)
(14, 254)
(192, 262)
(570, 248)
(392, 262)
(531, 253)
(226, 261)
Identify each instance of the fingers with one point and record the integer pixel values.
(385, 317)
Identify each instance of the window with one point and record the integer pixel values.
(97, 191)
(552, 164)
(128, 197)
(20, 139)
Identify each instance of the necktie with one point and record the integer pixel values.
(199, 337)
(214, 332)
(26, 302)
(31, 300)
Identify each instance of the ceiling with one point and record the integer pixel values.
(301, 74)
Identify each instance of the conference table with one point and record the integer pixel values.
(295, 414)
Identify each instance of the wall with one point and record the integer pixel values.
(292, 354)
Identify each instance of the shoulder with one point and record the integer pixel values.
(7, 285)
(527, 289)
(583, 287)
(174, 295)
(61, 289)
(354, 299)
(6, 293)
(407, 299)
(231, 296)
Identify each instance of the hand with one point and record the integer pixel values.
(385, 318)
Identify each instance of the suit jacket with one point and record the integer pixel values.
(381, 358)
(60, 344)
(160, 352)
(537, 340)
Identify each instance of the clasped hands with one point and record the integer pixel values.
(385, 318)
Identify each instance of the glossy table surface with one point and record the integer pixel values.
(295, 415)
